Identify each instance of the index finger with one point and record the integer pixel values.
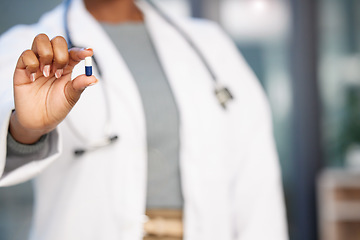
(76, 56)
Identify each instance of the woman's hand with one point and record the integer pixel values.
(43, 91)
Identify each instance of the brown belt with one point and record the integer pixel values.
(163, 224)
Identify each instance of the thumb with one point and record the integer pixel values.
(74, 88)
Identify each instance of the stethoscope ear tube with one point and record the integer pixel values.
(222, 94)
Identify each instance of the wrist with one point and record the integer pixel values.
(22, 134)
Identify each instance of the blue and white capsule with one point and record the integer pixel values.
(88, 66)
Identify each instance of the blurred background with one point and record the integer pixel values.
(306, 53)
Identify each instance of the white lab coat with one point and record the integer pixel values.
(230, 173)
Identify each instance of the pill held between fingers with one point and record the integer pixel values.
(88, 66)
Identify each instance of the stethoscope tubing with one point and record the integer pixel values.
(222, 93)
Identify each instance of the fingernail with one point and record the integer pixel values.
(92, 84)
(33, 77)
(46, 71)
(58, 73)
(90, 49)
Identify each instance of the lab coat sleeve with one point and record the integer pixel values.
(12, 44)
(259, 204)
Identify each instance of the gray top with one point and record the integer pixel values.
(161, 113)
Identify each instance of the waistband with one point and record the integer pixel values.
(163, 224)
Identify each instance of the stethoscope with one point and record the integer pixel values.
(222, 93)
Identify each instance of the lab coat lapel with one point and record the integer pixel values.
(202, 174)
(125, 103)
